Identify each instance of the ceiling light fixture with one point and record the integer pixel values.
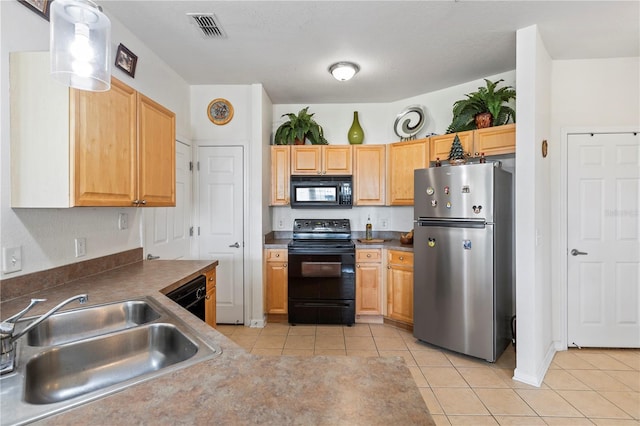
(343, 71)
(80, 45)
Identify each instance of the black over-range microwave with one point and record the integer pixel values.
(321, 191)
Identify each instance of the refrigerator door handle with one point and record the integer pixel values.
(452, 223)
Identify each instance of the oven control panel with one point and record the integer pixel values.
(321, 225)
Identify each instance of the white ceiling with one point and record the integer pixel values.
(404, 48)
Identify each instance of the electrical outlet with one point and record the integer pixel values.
(81, 247)
(384, 223)
(123, 221)
(280, 224)
(11, 259)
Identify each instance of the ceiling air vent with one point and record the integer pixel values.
(207, 24)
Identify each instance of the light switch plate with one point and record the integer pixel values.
(123, 221)
(11, 259)
(81, 247)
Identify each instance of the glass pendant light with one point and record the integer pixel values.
(80, 45)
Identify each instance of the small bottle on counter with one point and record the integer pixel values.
(368, 229)
(438, 163)
(482, 159)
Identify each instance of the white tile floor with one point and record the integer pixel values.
(582, 387)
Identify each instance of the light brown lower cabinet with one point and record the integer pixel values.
(400, 286)
(210, 299)
(369, 282)
(276, 272)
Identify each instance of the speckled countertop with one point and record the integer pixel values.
(236, 388)
(280, 240)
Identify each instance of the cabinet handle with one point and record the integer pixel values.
(401, 258)
(358, 265)
(211, 278)
(143, 202)
(135, 202)
(277, 254)
(388, 267)
(285, 265)
(207, 297)
(368, 254)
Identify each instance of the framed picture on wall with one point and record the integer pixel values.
(41, 7)
(126, 60)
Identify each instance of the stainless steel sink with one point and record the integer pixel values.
(80, 324)
(71, 370)
(56, 376)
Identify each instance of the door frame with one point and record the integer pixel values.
(562, 251)
(246, 288)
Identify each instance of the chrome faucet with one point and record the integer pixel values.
(7, 329)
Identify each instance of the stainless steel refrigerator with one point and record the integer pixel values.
(463, 258)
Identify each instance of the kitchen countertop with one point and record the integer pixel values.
(236, 387)
(271, 242)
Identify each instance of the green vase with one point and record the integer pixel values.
(356, 134)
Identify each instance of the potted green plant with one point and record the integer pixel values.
(485, 108)
(298, 128)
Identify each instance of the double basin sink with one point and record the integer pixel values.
(80, 355)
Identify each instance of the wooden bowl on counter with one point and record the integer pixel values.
(406, 240)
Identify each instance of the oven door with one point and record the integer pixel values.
(322, 288)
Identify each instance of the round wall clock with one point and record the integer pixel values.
(220, 111)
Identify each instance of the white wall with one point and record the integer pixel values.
(377, 121)
(533, 264)
(252, 109)
(46, 235)
(590, 95)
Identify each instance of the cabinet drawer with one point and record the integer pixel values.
(277, 255)
(404, 258)
(369, 255)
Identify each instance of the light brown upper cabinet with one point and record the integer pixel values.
(490, 141)
(280, 174)
(439, 146)
(321, 160)
(402, 159)
(78, 148)
(369, 175)
(495, 140)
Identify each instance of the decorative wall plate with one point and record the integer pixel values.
(220, 111)
(409, 122)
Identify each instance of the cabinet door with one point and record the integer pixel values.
(369, 175)
(156, 154)
(368, 282)
(403, 158)
(306, 159)
(280, 174)
(495, 140)
(104, 146)
(210, 301)
(336, 160)
(400, 285)
(439, 146)
(277, 294)
(400, 293)
(276, 274)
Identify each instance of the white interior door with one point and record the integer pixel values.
(603, 234)
(166, 229)
(221, 212)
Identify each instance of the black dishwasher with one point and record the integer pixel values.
(191, 296)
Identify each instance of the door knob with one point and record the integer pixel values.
(576, 252)
(236, 245)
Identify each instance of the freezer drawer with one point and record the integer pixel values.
(454, 288)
